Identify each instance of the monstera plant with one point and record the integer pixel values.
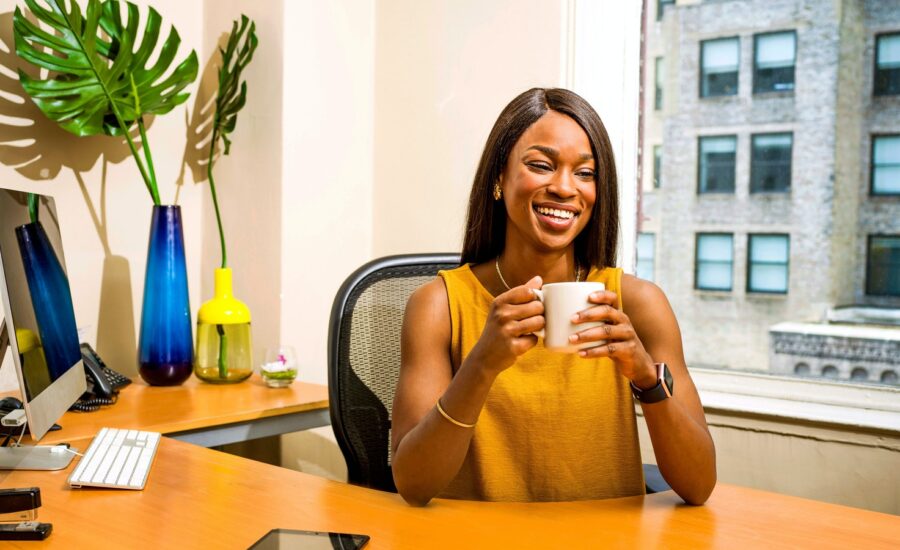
(224, 350)
(99, 79)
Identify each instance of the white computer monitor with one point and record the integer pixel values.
(39, 321)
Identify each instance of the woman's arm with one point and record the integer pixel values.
(644, 334)
(428, 450)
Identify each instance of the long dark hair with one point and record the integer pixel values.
(485, 234)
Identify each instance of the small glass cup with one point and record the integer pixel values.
(280, 368)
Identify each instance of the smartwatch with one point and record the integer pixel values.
(663, 389)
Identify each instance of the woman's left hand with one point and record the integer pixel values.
(622, 343)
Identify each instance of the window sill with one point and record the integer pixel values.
(859, 407)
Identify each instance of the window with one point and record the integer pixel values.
(660, 7)
(646, 252)
(770, 163)
(801, 369)
(767, 265)
(883, 266)
(830, 371)
(659, 78)
(774, 55)
(657, 166)
(715, 257)
(885, 165)
(719, 67)
(859, 373)
(717, 164)
(889, 377)
(887, 64)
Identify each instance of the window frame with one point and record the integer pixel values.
(753, 168)
(702, 72)
(697, 236)
(700, 191)
(875, 69)
(638, 259)
(661, 7)
(872, 191)
(658, 97)
(657, 166)
(868, 277)
(750, 263)
(756, 38)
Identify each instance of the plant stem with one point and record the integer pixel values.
(154, 190)
(33, 207)
(151, 186)
(223, 347)
(212, 189)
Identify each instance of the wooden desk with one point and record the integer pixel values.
(203, 414)
(201, 498)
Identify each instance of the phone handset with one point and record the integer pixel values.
(98, 384)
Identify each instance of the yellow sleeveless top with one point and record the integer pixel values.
(555, 427)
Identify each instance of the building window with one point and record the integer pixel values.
(717, 158)
(659, 78)
(646, 255)
(767, 265)
(660, 7)
(774, 56)
(719, 67)
(715, 259)
(887, 64)
(889, 377)
(885, 165)
(657, 166)
(859, 373)
(830, 371)
(883, 266)
(770, 163)
(801, 369)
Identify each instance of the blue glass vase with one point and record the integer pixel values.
(51, 299)
(166, 348)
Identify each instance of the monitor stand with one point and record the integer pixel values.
(35, 457)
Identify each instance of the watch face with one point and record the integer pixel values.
(667, 380)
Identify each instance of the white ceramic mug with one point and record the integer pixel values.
(561, 302)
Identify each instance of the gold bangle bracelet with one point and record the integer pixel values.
(450, 418)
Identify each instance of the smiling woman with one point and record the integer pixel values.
(482, 411)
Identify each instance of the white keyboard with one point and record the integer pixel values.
(119, 459)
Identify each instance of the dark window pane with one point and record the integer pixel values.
(887, 65)
(719, 61)
(717, 159)
(660, 7)
(773, 63)
(770, 168)
(658, 79)
(883, 269)
(657, 166)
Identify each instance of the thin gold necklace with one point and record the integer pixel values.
(502, 280)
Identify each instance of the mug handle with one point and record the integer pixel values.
(539, 294)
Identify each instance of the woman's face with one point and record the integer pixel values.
(549, 184)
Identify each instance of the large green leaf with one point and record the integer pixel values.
(232, 93)
(99, 83)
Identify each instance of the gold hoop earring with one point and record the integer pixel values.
(498, 193)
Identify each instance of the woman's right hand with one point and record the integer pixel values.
(509, 330)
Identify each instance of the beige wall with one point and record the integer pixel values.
(444, 71)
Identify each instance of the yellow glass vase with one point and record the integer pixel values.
(224, 344)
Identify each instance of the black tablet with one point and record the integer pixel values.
(289, 539)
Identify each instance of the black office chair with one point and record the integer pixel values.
(364, 362)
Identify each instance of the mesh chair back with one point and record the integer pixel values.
(364, 359)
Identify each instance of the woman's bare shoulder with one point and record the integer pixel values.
(641, 295)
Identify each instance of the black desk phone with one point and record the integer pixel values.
(103, 383)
